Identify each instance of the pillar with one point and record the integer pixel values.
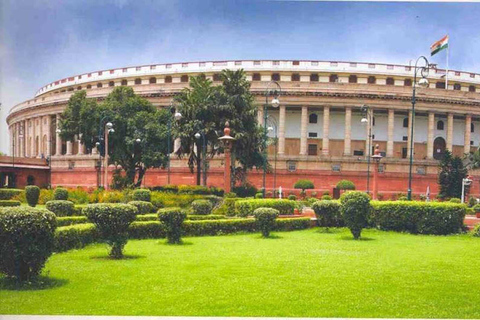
(326, 128)
(260, 115)
(24, 149)
(177, 143)
(49, 136)
(347, 147)
(69, 148)
(281, 130)
(409, 135)
(10, 131)
(390, 130)
(468, 124)
(450, 132)
(34, 137)
(430, 135)
(41, 152)
(81, 147)
(303, 131)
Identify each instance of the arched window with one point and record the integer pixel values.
(333, 78)
(457, 86)
(79, 88)
(440, 125)
(407, 83)
(152, 80)
(314, 77)
(440, 85)
(124, 82)
(472, 127)
(256, 77)
(352, 79)
(168, 79)
(313, 118)
(217, 77)
(184, 78)
(111, 84)
(138, 81)
(472, 89)
(89, 86)
(99, 85)
(295, 77)
(275, 76)
(372, 80)
(405, 122)
(390, 81)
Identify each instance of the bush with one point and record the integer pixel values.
(418, 217)
(259, 195)
(60, 194)
(265, 218)
(143, 207)
(455, 200)
(247, 190)
(26, 241)
(219, 192)
(472, 201)
(167, 200)
(476, 231)
(141, 195)
(245, 208)
(10, 203)
(216, 201)
(32, 193)
(328, 213)
(187, 189)
(8, 194)
(61, 208)
(292, 197)
(112, 220)
(78, 196)
(304, 184)
(402, 198)
(168, 188)
(173, 219)
(230, 195)
(68, 221)
(476, 208)
(345, 185)
(75, 236)
(326, 197)
(201, 207)
(355, 211)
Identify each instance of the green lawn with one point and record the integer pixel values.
(298, 274)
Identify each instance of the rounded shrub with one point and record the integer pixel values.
(61, 208)
(27, 239)
(345, 185)
(259, 195)
(304, 184)
(141, 195)
(476, 231)
(173, 219)
(10, 203)
(143, 207)
(265, 218)
(112, 220)
(355, 211)
(247, 190)
(230, 195)
(292, 197)
(60, 194)
(202, 207)
(326, 197)
(328, 213)
(31, 194)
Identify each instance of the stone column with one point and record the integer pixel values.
(49, 136)
(260, 115)
(81, 147)
(40, 139)
(303, 131)
(468, 124)
(390, 130)
(281, 130)
(69, 148)
(430, 135)
(10, 131)
(177, 143)
(347, 146)
(34, 138)
(409, 135)
(326, 128)
(58, 141)
(450, 132)
(24, 144)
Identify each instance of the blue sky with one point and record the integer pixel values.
(42, 40)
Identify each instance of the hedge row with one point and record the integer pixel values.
(9, 203)
(245, 208)
(8, 194)
(74, 237)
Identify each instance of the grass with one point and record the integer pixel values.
(298, 274)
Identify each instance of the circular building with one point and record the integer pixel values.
(318, 124)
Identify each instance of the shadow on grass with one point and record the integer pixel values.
(39, 283)
(360, 239)
(125, 257)
(182, 243)
(332, 230)
(271, 236)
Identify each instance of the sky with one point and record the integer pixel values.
(46, 40)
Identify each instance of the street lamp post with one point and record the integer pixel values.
(108, 129)
(177, 116)
(423, 82)
(367, 119)
(199, 135)
(376, 157)
(103, 131)
(465, 182)
(49, 157)
(274, 103)
(273, 128)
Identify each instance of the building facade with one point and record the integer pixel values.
(318, 124)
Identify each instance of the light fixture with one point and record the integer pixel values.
(423, 83)
(364, 120)
(109, 125)
(138, 140)
(197, 135)
(275, 102)
(178, 116)
(111, 130)
(58, 131)
(270, 128)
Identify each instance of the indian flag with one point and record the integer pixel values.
(439, 45)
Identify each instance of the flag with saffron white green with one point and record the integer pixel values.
(439, 45)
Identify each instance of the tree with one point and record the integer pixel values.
(450, 176)
(140, 138)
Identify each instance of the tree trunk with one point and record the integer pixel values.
(199, 168)
(141, 174)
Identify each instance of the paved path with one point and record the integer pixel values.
(170, 318)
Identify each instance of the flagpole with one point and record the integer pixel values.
(446, 79)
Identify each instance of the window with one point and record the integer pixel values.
(79, 88)
(314, 77)
(440, 125)
(99, 85)
(472, 75)
(353, 64)
(472, 89)
(100, 73)
(276, 63)
(390, 81)
(152, 80)
(138, 81)
(371, 66)
(79, 77)
(333, 64)
(336, 167)
(372, 80)
(389, 67)
(168, 66)
(238, 63)
(217, 77)
(112, 71)
(312, 135)
(313, 118)
(405, 122)
(404, 153)
(291, 166)
(472, 127)
(407, 83)
(314, 63)
(184, 65)
(358, 152)
(440, 85)
(124, 70)
(296, 63)
(457, 86)
(256, 77)
(138, 68)
(275, 77)
(457, 73)
(295, 77)
(312, 149)
(152, 67)
(168, 79)
(124, 82)
(89, 86)
(111, 84)
(333, 78)
(184, 78)
(352, 79)
(405, 138)
(202, 64)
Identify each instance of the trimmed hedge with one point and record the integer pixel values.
(32, 193)
(68, 221)
(202, 207)
(265, 218)
(141, 195)
(75, 237)
(355, 211)
(10, 203)
(61, 208)
(328, 213)
(245, 208)
(8, 194)
(173, 219)
(60, 194)
(419, 217)
(143, 207)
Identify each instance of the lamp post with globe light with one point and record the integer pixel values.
(177, 116)
(274, 103)
(199, 135)
(367, 119)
